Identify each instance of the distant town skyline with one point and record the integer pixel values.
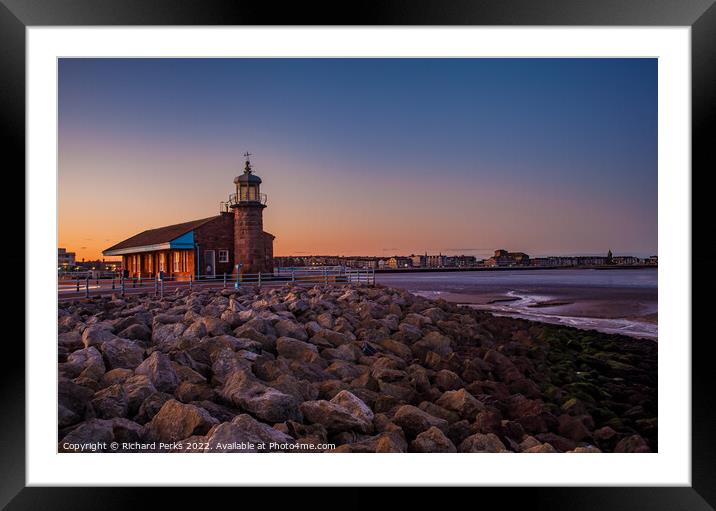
(375, 157)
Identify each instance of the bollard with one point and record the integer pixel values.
(191, 281)
(224, 280)
(259, 279)
(140, 280)
(78, 285)
(121, 284)
(237, 284)
(134, 281)
(87, 288)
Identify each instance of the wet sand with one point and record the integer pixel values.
(621, 301)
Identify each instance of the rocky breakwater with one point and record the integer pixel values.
(343, 369)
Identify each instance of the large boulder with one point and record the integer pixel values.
(432, 440)
(84, 363)
(95, 335)
(95, 435)
(414, 421)
(245, 391)
(246, 434)
(137, 332)
(435, 342)
(137, 388)
(461, 402)
(288, 347)
(72, 402)
(293, 329)
(633, 443)
(177, 421)
(334, 417)
(110, 402)
(122, 353)
(482, 442)
(160, 371)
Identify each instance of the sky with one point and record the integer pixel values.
(366, 156)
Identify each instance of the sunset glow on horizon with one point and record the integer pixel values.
(366, 156)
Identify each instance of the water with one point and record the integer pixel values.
(621, 301)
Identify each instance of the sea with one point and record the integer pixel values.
(623, 301)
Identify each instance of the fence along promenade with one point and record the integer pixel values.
(72, 286)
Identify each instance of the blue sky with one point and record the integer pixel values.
(364, 155)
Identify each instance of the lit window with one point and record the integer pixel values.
(176, 261)
(223, 256)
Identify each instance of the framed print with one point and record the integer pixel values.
(403, 249)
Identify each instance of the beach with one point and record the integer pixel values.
(622, 301)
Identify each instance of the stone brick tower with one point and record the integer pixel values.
(248, 204)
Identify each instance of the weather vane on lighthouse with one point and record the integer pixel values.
(247, 168)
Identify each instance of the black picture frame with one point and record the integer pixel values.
(17, 15)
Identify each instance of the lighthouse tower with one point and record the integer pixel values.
(249, 238)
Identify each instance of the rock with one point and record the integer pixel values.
(447, 380)
(137, 388)
(122, 353)
(541, 448)
(137, 332)
(461, 402)
(414, 421)
(435, 342)
(558, 442)
(573, 428)
(481, 442)
(71, 340)
(187, 392)
(177, 421)
(439, 411)
(160, 371)
(216, 326)
(246, 434)
(288, 347)
(247, 332)
(289, 328)
(151, 406)
(334, 417)
(432, 440)
(355, 406)
(245, 391)
(633, 443)
(397, 348)
(585, 449)
(110, 402)
(125, 430)
(95, 335)
(225, 362)
(503, 366)
(115, 376)
(72, 402)
(94, 435)
(85, 363)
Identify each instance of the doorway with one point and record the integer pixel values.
(209, 264)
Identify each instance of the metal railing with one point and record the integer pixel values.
(70, 289)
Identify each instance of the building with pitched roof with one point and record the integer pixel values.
(230, 241)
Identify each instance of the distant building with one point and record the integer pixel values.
(654, 260)
(65, 258)
(399, 262)
(504, 258)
